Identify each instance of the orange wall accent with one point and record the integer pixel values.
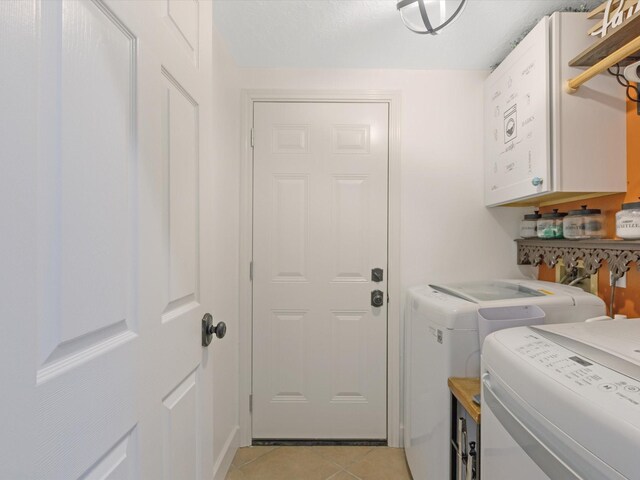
(627, 300)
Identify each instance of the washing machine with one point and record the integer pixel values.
(562, 402)
(441, 341)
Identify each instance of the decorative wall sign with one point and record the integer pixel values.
(613, 13)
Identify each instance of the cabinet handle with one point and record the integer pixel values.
(536, 181)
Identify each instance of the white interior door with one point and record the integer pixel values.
(105, 253)
(320, 227)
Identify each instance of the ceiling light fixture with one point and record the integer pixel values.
(418, 15)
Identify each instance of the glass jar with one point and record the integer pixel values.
(529, 225)
(550, 224)
(584, 224)
(628, 221)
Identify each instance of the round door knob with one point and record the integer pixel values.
(219, 330)
(209, 329)
(536, 181)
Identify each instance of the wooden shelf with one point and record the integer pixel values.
(618, 254)
(464, 390)
(618, 38)
(620, 46)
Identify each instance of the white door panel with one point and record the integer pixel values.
(102, 366)
(320, 226)
(179, 388)
(183, 19)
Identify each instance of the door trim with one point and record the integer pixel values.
(394, 329)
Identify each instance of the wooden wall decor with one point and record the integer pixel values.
(612, 14)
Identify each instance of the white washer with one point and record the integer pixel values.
(441, 341)
(562, 402)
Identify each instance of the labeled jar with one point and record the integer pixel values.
(628, 221)
(529, 225)
(584, 224)
(550, 224)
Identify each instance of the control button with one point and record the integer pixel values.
(632, 388)
(607, 387)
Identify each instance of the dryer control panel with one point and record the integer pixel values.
(579, 373)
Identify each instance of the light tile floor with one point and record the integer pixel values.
(319, 463)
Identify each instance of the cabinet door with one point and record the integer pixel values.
(517, 131)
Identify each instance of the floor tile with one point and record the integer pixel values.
(290, 463)
(235, 474)
(382, 464)
(245, 455)
(343, 456)
(343, 475)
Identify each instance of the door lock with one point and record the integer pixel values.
(377, 298)
(209, 329)
(377, 275)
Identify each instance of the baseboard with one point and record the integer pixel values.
(400, 438)
(223, 462)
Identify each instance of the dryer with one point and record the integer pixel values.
(441, 341)
(562, 402)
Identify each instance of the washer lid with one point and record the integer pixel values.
(488, 291)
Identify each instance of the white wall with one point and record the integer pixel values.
(226, 158)
(447, 233)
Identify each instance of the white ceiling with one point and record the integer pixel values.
(370, 34)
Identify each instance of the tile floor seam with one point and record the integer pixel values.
(239, 467)
(345, 471)
(246, 464)
(317, 454)
(334, 474)
(353, 475)
(343, 467)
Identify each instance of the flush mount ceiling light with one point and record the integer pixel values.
(429, 16)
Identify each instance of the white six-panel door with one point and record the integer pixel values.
(105, 249)
(320, 227)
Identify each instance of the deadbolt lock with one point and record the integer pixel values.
(377, 275)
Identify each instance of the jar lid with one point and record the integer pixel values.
(532, 216)
(554, 214)
(631, 206)
(586, 211)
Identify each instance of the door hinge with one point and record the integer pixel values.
(252, 138)
(251, 271)
(251, 403)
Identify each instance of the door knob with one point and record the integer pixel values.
(219, 330)
(209, 329)
(377, 298)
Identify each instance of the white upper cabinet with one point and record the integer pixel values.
(541, 144)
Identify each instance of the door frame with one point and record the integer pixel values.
(394, 372)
